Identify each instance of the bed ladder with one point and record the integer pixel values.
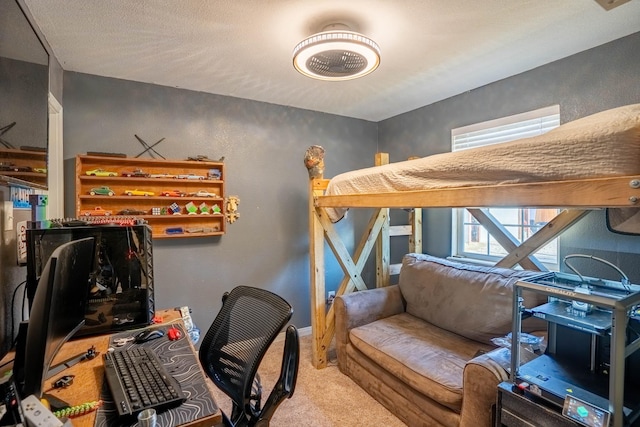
(412, 230)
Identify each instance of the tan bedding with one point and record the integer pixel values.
(600, 145)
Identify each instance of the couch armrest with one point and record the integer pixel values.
(360, 308)
(482, 375)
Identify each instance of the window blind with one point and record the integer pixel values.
(506, 129)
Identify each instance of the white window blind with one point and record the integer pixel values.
(506, 129)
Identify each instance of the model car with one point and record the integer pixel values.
(131, 212)
(162, 175)
(214, 173)
(137, 173)
(97, 211)
(203, 193)
(190, 176)
(7, 166)
(139, 193)
(174, 193)
(100, 172)
(40, 170)
(101, 191)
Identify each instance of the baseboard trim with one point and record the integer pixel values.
(302, 332)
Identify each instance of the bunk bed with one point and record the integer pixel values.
(590, 163)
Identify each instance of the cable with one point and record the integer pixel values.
(13, 314)
(625, 280)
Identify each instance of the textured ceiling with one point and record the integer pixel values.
(431, 49)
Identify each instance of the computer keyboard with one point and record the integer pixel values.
(138, 380)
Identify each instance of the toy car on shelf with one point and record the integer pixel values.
(190, 176)
(97, 211)
(139, 193)
(198, 158)
(101, 191)
(131, 212)
(162, 175)
(100, 172)
(7, 166)
(40, 170)
(136, 173)
(173, 193)
(214, 173)
(203, 193)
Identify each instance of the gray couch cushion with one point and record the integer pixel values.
(469, 300)
(424, 357)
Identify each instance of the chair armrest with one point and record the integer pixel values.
(481, 377)
(286, 383)
(363, 307)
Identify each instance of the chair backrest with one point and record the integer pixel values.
(233, 347)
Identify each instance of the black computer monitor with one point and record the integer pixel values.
(58, 309)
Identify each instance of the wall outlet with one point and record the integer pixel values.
(331, 295)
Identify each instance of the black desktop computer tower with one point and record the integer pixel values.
(120, 285)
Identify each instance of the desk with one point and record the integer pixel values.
(89, 376)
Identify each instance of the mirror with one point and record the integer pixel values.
(624, 220)
(24, 106)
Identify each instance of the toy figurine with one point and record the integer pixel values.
(204, 209)
(192, 209)
(232, 209)
(314, 161)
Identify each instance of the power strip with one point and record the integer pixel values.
(37, 415)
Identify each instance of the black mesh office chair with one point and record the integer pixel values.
(231, 351)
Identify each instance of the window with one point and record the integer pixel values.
(470, 239)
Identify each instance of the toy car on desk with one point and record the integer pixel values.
(174, 193)
(203, 193)
(100, 172)
(139, 173)
(97, 211)
(139, 193)
(101, 191)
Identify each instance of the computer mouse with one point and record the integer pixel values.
(148, 335)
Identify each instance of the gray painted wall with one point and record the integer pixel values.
(595, 80)
(263, 145)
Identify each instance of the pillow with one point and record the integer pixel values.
(469, 300)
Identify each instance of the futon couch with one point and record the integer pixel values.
(423, 347)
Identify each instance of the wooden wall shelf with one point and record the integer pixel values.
(162, 224)
(31, 165)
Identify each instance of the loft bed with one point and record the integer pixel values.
(590, 163)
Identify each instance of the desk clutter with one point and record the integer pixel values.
(169, 343)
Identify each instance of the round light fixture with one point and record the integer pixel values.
(336, 55)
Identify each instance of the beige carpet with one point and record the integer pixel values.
(322, 398)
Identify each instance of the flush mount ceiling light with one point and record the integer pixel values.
(336, 55)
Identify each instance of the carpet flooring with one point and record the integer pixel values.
(322, 397)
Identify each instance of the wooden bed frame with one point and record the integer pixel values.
(575, 197)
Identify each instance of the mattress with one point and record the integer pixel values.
(604, 144)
